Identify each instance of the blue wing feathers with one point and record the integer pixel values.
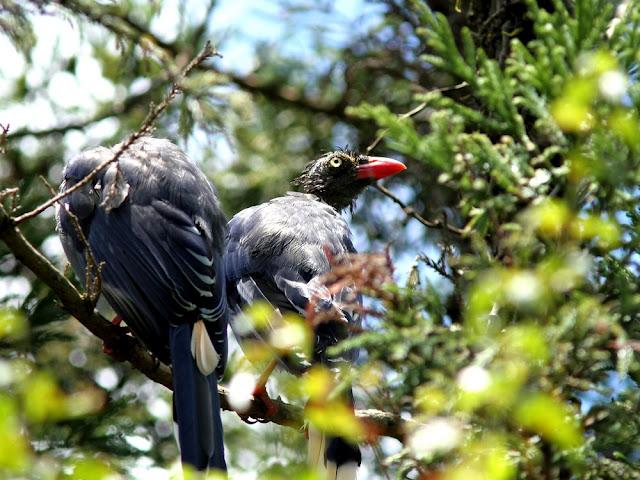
(280, 244)
(275, 250)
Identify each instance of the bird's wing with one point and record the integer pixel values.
(160, 244)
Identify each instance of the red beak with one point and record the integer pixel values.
(379, 167)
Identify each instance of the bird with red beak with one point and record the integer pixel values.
(276, 253)
(338, 177)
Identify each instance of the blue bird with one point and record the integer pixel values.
(156, 223)
(276, 253)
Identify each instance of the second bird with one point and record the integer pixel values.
(276, 253)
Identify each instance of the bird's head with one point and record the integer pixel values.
(337, 178)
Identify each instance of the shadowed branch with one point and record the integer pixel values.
(128, 349)
(145, 128)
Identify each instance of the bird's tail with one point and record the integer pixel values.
(196, 404)
(343, 459)
(336, 458)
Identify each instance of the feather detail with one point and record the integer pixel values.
(346, 471)
(202, 349)
(315, 448)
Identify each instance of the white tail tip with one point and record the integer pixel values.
(315, 448)
(346, 471)
(202, 349)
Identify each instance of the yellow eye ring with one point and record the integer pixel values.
(335, 162)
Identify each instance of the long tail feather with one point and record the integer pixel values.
(196, 405)
(315, 448)
(334, 458)
(338, 457)
(342, 459)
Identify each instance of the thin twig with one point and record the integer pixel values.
(414, 111)
(408, 114)
(410, 211)
(144, 129)
(93, 270)
(439, 266)
(93, 279)
(9, 192)
(133, 352)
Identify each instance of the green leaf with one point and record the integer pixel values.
(13, 325)
(15, 451)
(550, 418)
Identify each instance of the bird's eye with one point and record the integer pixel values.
(335, 162)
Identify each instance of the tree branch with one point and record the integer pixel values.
(144, 129)
(410, 212)
(124, 26)
(133, 352)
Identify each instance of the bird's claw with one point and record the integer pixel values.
(260, 394)
(113, 349)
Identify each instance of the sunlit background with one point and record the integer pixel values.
(510, 339)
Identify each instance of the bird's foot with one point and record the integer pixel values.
(260, 394)
(117, 320)
(111, 349)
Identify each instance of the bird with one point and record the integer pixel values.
(277, 252)
(153, 222)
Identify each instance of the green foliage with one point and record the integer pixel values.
(514, 354)
(32, 400)
(543, 155)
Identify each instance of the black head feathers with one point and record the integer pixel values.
(338, 177)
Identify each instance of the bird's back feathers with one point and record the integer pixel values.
(162, 245)
(277, 250)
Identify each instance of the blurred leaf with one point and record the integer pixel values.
(318, 383)
(15, 452)
(292, 333)
(260, 314)
(430, 400)
(90, 469)
(550, 418)
(487, 459)
(13, 325)
(43, 399)
(526, 342)
(335, 418)
(549, 218)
